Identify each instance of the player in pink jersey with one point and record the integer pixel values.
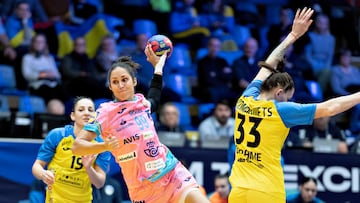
(151, 172)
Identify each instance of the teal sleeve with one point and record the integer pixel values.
(93, 127)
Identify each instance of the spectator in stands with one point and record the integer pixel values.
(324, 128)
(44, 80)
(69, 177)
(80, 75)
(344, 81)
(7, 53)
(307, 192)
(185, 25)
(20, 26)
(106, 55)
(20, 29)
(245, 68)
(35, 7)
(222, 189)
(214, 75)
(344, 76)
(169, 118)
(319, 53)
(220, 123)
(219, 17)
(80, 11)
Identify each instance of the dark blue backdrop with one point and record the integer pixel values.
(338, 175)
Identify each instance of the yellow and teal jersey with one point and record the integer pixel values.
(261, 128)
(72, 183)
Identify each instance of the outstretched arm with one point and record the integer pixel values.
(301, 24)
(336, 105)
(83, 144)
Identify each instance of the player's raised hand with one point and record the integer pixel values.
(302, 22)
(151, 56)
(111, 143)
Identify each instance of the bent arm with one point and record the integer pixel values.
(83, 145)
(301, 24)
(97, 176)
(337, 105)
(38, 169)
(40, 173)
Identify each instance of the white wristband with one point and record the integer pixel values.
(160, 65)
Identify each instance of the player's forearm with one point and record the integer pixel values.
(275, 57)
(83, 147)
(96, 178)
(278, 53)
(337, 105)
(37, 171)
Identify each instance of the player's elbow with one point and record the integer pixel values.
(76, 148)
(326, 109)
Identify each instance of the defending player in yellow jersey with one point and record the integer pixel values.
(69, 177)
(263, 119)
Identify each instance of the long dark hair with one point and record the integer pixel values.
(36, 52)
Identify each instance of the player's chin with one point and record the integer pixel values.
(124, 96)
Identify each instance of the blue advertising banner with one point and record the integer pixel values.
(338, 175)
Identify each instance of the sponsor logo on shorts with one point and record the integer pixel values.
(154, 165)
(127, 157)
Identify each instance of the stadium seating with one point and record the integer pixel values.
(8, 81)
(147, 26)
(314, 89)
(180, 60)
(5, 116)
(185, 117)
(32, 104)
(241, 33)
(180, 84)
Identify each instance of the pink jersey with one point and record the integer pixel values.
(141, 156)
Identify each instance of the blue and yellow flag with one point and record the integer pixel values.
(93, 30)
(15, 31)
